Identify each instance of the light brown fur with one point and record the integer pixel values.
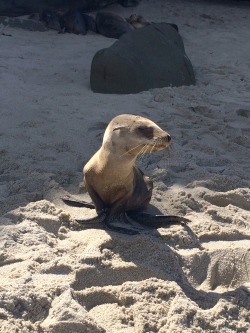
(137, 21)
(111, 177)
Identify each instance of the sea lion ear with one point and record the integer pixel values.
(117, 128)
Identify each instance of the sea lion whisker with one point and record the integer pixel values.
(173, 153)
(151, 150)
(165, 157)
(172, 147)
(131, 150)
(174, 150)
(138, 154)
(144, 152)
(167, 162)
(166, 153)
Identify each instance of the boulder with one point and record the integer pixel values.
(150, 57)
(74, 22)
(23, 7)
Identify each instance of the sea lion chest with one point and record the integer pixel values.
(110, 179)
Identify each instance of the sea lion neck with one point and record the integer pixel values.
(116, 154)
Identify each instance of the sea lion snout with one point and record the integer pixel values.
(167, 138)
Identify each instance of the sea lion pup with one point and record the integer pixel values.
(137, 21)
(112, 25)
(118, 188)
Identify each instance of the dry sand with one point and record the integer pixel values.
(176, 279)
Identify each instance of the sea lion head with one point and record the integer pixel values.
(134, 135)
(137, 21)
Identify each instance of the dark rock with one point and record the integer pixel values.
(73, 21)
(24, 23)
(23, 7)
(129, 3)
(111, 25)
(175, 26)
(90, 22)
(52, 20)
(151, 57)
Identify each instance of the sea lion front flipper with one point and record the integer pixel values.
(77, 203)
(97, 201)
(100, 218)
(158, 221)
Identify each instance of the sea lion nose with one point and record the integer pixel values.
(168, 138)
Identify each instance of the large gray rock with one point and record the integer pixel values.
(22, 7)
(151, 57)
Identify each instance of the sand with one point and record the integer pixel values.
(193, 278)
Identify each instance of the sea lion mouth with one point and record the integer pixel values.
(146, 147)
(156, 146)
(162, 145)
(159, 146)
(161, 142)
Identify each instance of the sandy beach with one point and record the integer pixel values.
(193, 278)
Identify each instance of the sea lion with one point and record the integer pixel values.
(118, 188)
(137, 21)
(112, 25)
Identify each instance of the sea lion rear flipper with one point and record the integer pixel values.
(156, 220)
(121, 230)
(95, 219)
(124, 220)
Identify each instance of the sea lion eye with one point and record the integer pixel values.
(146, 131)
